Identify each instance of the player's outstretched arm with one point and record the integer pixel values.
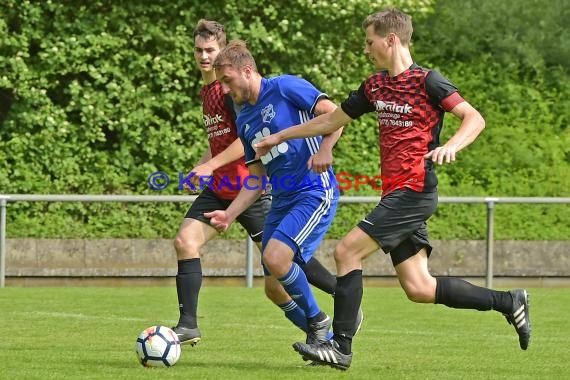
(472, 124)
(252, 188)
(319, 126)
(233, 152)
(323, 159)
(207, 155)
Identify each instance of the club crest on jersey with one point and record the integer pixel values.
(268, 113)
(393, 107)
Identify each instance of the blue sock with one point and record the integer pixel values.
(295, 314)
(296, 284)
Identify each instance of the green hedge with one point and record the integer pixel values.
(96, 96)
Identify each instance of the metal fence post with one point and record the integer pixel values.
(249, 263)
(490, 241)
(3, 202)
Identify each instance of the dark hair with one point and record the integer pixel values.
(208, 29)
(391, 21)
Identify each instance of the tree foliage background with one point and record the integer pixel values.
(97, 95)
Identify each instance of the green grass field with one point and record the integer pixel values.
(89, 333)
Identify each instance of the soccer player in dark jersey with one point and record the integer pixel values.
(304, 202)
(224, 161)
(410, 102)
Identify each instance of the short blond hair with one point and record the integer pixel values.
(235, 54)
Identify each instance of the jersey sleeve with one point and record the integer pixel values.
(232, 108)
(249, 152)
(442, 92)
(356, 104)
(300, 92)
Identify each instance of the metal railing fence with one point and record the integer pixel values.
(488, 201)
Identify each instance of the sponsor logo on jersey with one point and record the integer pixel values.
(210, 120)
(275, 151)
(393, 107)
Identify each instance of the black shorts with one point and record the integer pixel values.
(398, 223)
(251, 219)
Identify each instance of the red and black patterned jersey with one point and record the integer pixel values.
(410, 109)
(219, 120)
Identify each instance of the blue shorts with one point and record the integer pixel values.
(301, 222)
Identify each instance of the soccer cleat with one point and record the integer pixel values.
(520, 317)
(187, 335)
(326, 353)
(319, 331)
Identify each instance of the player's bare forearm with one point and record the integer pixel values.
(221, 220)
(249, 192)
(246, 197)
(233, 152)
(206, 156)
(472, 123)
(321, 125)
(323, 159)
(329, 141)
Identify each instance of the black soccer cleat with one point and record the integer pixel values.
(326, 353)
(319, 331)
(187, 335)
(520, 317)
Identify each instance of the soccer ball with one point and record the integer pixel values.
(158, 346)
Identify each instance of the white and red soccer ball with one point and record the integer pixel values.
(157, 346)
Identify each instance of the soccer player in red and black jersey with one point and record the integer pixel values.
(410, 102)
(224, 161)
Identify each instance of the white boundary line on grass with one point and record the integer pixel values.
(82, 316)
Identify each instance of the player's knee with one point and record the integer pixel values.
(274, 263)
(419, 294)
(342, 252)
(185, 248)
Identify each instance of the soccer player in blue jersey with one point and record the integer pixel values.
(223, 161)
(410, 102)
(304, 201)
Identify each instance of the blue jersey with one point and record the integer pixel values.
(285, 101)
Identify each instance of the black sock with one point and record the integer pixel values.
(347, 301)
(502, 301)
(319, 276)
(188, 284)
(460, 294)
